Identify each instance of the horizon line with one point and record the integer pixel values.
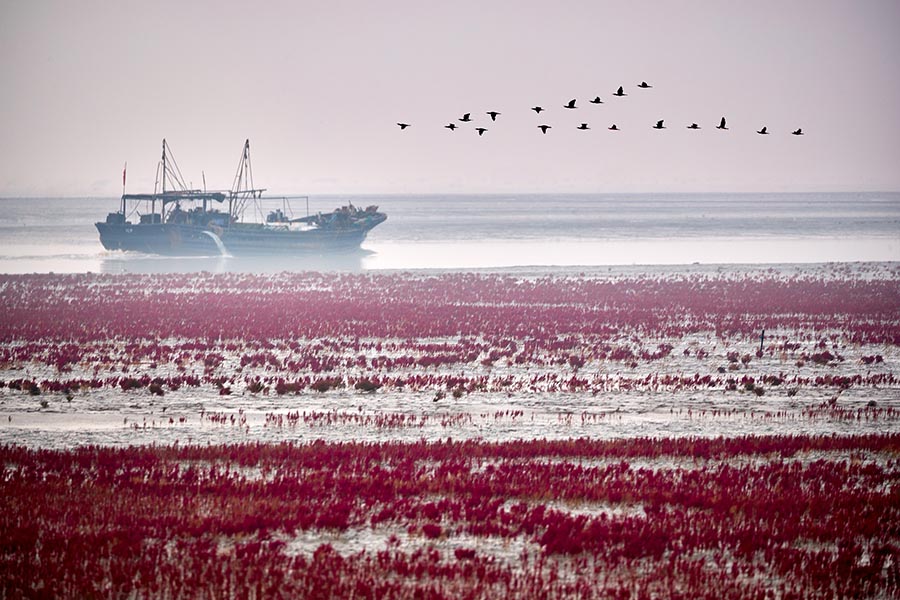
(493, 193)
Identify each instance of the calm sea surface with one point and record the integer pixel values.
(498, 231)
(515, 233)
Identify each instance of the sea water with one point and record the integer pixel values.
(504, 231)
(630, 234)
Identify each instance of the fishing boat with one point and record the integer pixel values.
(179, 221)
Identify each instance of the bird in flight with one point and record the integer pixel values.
(798, 132)
(480, 130)
(620, 92)
(451, 126)
(613, 127)
(763, 131)
(583, 126)
(544, 128)
(597, 100)
(571, 104)
(644, 85)
(537, 109)
(693, 126)
(493, 114)
(465, 118)
(403, 125)
(721, 124)
(659, 125)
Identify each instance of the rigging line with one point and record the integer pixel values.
(239, 174)
(156, 183)
(177, 177)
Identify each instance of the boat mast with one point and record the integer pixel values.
(242, 189)
(165, 171)
(153, 202)
(124, 171)
(171, 174)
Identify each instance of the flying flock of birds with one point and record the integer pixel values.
(467, 117)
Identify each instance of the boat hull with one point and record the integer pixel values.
(238, 240)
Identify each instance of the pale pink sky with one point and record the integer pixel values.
(319, 86)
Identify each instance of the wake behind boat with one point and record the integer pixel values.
(196, 222)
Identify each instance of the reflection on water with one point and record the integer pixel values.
(685, 251)
(481, 254)
(512, 253)
(120, 262)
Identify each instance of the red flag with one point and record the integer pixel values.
(123, 173)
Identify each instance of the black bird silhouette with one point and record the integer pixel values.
(403, 125)
(613, 127)
(597, 100)
(480, 130)
(571, 104)
(763, 131)
(465, 118)
(659, 125)
(537, 109)
(544, 128)
(721, 124)
(798, 132)
(644, 85)
(693, 126)
(583, 126)
(451, 126)
(493, 114)
(620, 92)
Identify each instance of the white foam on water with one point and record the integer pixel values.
(222, 249)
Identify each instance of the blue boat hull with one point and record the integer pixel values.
(238, 240)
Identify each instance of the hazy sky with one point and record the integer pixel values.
(319, 86)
